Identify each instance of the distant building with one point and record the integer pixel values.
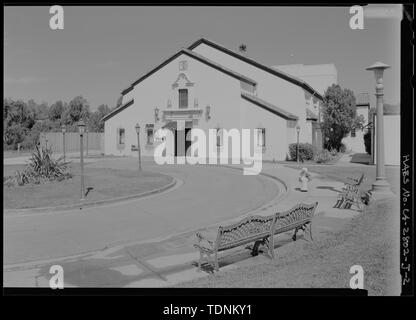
(354, 142)
(391, 135)
(208, 86)
(319, 76)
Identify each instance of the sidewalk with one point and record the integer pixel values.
(170, 260)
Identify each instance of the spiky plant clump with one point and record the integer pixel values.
(42, 167)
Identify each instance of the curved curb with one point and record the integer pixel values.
(92, 204)
(119, 245)
(281, 193)
(284, 183)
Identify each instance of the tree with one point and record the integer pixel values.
(242, 48)
(95, 123)
(339, 115)
(41, 111)
(18, 119)
(119, 101)
(78, 109)
(56, 111)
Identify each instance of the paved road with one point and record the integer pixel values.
(208, 195)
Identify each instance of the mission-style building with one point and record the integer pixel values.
(208, 86)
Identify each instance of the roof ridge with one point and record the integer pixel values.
(196, 56)
(285, 114)
(288, 77)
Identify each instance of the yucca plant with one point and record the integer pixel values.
(42, 164)
(41, 167)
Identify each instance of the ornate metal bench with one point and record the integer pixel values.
(298, 218)
(251, 229)
(351, 194)
(255, 229)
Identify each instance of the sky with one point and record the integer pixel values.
(102, 50)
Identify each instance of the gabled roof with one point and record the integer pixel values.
(275, 72)
(198, 57)
(117, 110)
(268, 106)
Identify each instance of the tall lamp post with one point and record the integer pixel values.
(297, 143)
(81, 130)
(137, 127)
(380, 187)
(86, 133)
(63, 128)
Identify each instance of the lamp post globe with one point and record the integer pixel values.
(81, 127)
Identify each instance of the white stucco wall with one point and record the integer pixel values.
(253, 117)
(271, 88)
(391, 140)
(211, 87)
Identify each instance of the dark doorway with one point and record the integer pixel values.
(181, 144)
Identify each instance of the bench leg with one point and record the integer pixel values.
(294, 234)
(270, 246)
(339, 202)
(201, 257)
(216, 266)
(255, 250)
(309, 230)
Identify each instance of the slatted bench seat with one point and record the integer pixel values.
(351, 194)
(255, 229)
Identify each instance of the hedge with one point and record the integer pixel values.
(306, 151)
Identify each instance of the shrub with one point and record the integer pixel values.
(323, 156)
(367, 141)
(305, 151)
(342, 148)
(333, 152)
(41, 168)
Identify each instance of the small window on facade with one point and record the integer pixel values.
(183, 65)
(261, 137)
(353, 133)
(121, 136)
(183, 98)
(219, 137)
(150, 138)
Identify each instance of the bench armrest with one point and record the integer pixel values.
(205, 238)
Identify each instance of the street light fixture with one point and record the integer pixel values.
(63, 129)
(380, 187)
(81, 130)
(137, 127)
(297, 144)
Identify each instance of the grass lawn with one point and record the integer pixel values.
(14, 153)
(368, 240)
(9, 170)
(103, 183)
(341, 173)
